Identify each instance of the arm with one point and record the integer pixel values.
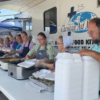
(16, 51)
(51, 54)
(4, 46)
(50, 61)
(10, 53)
(17, 56)
(50, 66)
(41, 63)
(31, 54)
(91, 53)
(30, 57)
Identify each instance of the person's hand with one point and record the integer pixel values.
(41, 62)
(15, 56)
(12, 51)
(4, 56)
(4, 46)
(44, 60)
(23, 59)
(38, 63)
(53, 70)
(27, 57)
(85, 52)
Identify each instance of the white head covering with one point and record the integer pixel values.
(46, 34)
(28, 33)
(14, 34)
(67, 41)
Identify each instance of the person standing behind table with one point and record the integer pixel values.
(63, 44)
(1, 45)
(1, 42)
(13, 43)
(26, 46)
(7, 41)
(43, 50)
(94, 33)
(20, 42)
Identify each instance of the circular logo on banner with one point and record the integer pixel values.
(80, 21)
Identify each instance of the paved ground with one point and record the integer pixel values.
(2, 97)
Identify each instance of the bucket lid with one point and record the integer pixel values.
(87, 58)
(76, 56)
(64, 61)
(64, 55)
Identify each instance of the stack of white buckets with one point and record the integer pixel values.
(76, 77)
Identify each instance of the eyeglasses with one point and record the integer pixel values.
(91, 32)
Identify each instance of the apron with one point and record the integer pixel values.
(99, 70)
(25, 50)
(41, 54)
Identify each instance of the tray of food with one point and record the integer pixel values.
(46, 84)
(10, 60)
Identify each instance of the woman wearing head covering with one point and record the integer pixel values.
(19, 40)
(13, 43)
(1, 45)
(1, 41)
(66, 42)
(63, 44)
(42, 50)
(26, 46)
(7, 41)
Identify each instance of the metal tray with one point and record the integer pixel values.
(48, 88)
(13, 62)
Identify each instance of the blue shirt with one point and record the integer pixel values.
(12, 44)
(95, 48)
(18, 47)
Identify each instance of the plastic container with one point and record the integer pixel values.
(90, 78)
(40, 74)
(28, 63)
(68, 78)
(6, 49)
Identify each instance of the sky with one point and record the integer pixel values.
(5, 14)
